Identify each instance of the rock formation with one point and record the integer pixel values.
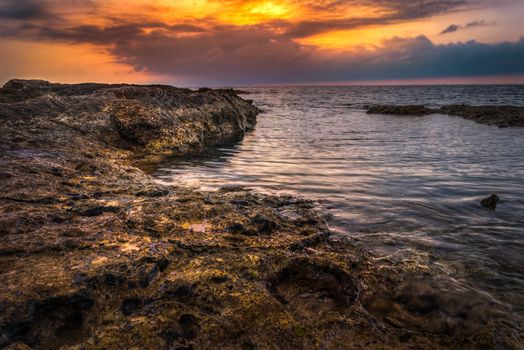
(491, 202)
(410, 110)
(502, 116)
(94, 254)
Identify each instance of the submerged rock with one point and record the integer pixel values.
(95, 255)
(502, 116)
(411, 110)
(491, 202)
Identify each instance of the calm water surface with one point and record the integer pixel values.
(402, 187)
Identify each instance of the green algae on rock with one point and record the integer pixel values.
(94, 254)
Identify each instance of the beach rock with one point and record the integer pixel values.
(491, 202)
(94, 254)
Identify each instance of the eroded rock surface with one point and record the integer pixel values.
(502, 116)
(95, 255)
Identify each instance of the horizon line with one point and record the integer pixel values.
(517, 79)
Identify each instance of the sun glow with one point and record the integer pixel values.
(369, 37)
(270, 9)
(254, 12)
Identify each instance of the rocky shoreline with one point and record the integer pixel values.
(501, 116)
(96, 255)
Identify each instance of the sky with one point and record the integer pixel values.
(263, 42)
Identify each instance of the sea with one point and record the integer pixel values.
(402, 188)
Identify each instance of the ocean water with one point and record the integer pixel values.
(405, 188)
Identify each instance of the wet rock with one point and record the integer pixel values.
(240, 228)
(219, 279)
(18, 346)
(502, 116)
(491, 202)
(179, 291)
(441, 306)
(130, 305)
(19, 84)
(233, 189)
(303, 284)
(94, 254)
(4, 175)
(59, 218)
(52, 321)
(153, 193)
(242, 92)
(266, 223)
(411, 110)
(378, 302)
(98, 210)
(189, 326)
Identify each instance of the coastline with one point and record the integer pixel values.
(501, 116)
(95, 254)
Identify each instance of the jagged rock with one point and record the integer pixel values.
(94, 254)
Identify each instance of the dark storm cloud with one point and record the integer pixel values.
(455, 27)
(419, 57)
(254, 54)
(226, 54)
(100, 35)
(242, 58)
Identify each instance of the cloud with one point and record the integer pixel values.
(480, 24)
(235, 57)
(394, 11)
(23, 9)
(455, 27)
(255, 54)
(420, 58)
(451, 29)
(207, 51)
(320, 15)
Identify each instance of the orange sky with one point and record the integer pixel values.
(221, 42)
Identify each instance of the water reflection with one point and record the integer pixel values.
(216, 153)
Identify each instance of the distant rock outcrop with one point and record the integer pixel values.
(502, 116)
(409, 110)
(491, 202)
